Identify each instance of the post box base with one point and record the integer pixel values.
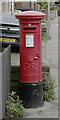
(31, 94)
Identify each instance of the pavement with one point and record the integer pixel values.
(49, 109)
(52, 51)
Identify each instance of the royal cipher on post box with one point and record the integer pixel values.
(31, 58)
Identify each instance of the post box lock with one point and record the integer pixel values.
(37, 54)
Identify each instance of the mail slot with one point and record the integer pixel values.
(29, 29)
(31, 57)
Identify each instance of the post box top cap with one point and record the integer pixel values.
(30, 15)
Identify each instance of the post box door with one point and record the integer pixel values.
(31, 66)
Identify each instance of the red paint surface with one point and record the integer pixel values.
(30, 57)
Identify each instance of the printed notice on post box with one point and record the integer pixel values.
(29, 40)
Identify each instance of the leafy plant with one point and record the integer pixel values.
(14, 107)
(49, 92)
(45, 5)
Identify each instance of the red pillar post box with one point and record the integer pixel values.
(31, 58)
